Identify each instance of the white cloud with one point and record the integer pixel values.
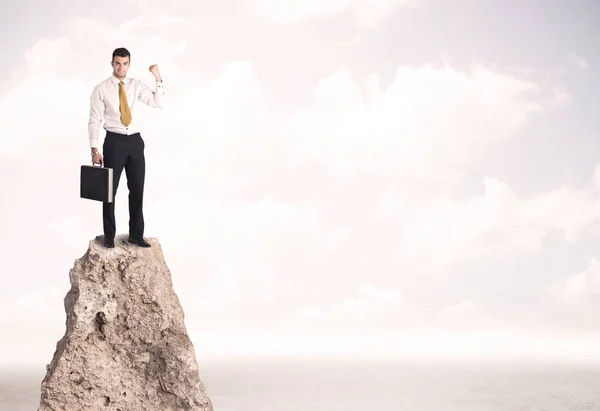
(437, 231)
(366, 13)
(583, 287)
(429, 122)
(369, 300)
(26, 117)
(458, 312)
(369, 307)
(242, 144)
(243, 254)
(33, 309)
(469, 315)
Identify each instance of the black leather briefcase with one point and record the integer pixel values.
(96, 183)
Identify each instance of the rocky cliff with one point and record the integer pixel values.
(126, 347)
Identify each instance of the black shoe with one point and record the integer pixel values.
(109, 242)
(139, 241)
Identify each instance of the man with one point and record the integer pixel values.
(114, 100)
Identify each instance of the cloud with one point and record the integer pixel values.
(458, 312)
(428, 122)
(370, 307)
(369, 300)
(27, 102)
(475, 316)
(32, 310)
(583, 287)
(439, 232)
(245, 149)
(578, 61)
(366, 13)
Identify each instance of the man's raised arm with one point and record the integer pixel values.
(149, 97)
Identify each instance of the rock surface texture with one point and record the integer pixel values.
(125, 347)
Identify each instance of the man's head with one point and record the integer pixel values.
(120, 62)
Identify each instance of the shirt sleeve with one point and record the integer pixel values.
(152, 98)
(96, 116)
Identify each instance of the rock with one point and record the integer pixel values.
(126, 347)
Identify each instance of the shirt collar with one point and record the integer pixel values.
(115, 80)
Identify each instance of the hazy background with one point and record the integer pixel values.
(357, 177)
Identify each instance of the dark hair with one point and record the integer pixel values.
(121, 52)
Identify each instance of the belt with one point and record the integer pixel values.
(120, 134)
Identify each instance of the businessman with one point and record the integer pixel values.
(114, 101)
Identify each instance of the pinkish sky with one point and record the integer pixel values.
(382, 177)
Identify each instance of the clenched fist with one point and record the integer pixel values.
(154, 70)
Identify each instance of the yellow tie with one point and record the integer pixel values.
(123, 106)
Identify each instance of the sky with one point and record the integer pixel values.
(393, 177)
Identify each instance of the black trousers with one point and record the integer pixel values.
(125, 151)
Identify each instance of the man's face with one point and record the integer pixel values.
(120, 66)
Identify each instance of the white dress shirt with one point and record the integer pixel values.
(104, 105)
